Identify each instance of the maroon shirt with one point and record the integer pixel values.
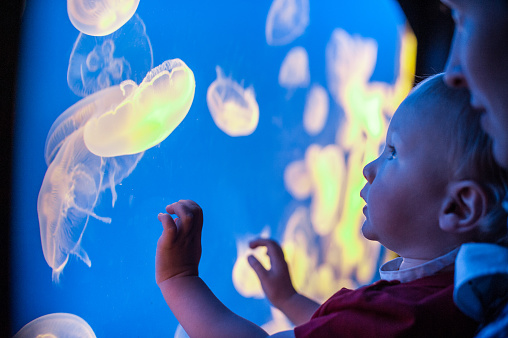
(420, 308)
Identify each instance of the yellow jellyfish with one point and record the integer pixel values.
(286, 21)
(294, 71)
(147, 116)
(100, 62)
(56, 325)
(244, 278)
(316, 110)
(234, 109)
(100, 17)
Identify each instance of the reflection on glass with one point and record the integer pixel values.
(100, 62)
(234, 109)
(286, 21)
(294, 71)
(61, 325)
(100, 17)
(316, 109)
(147, 116)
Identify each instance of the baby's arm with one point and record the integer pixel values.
(176, 271)
(277, 285)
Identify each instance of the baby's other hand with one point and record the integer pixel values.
(276, 282)
(179, 247)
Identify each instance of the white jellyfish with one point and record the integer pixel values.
(316, 110)
(75, 178)
(147, 116)
(234, 109)
(78, 114)
(100, 62)
(294, 71)
(61, 325)
(286, 21)
(100, 17)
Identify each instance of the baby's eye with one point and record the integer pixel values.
(392, 153)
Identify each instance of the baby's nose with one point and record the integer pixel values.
(369, 172)
(454, 77)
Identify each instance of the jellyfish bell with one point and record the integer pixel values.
(62, 325)
(234, 109)
(286, 21)
(145, 118)
(100, 62)
(78, 114)
(100, 17)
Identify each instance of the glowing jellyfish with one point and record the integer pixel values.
(147, 116)
(77, 115)
(100, 17)
(244, 277)
(67, 198)
(294, 71)
(234, 109)
(316, 110)
(100, 62)
(61, 325)
(286, 21)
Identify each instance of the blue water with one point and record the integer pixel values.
(237, 181)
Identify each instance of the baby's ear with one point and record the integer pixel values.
(463, 207)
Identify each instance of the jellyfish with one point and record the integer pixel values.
(66, 200)
(69, 194)
(78, 114)
(100, 17)
(234, 109)
(316, 110)
(62, 325)
(286, 21)
(147, 116)
(75, 178)
(100, 62)
(294, 71)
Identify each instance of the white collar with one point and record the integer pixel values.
(476, 269)
(390, 270)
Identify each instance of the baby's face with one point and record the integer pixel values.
(478, 60)
(407, 183)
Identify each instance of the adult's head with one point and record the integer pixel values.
(478, 61)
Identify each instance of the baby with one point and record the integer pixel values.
(434, 187)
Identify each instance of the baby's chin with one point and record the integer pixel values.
(367, 231)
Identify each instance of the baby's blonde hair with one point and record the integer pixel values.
(471, 156)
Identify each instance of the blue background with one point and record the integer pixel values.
(237, 181)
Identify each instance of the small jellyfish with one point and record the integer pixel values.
(62, 325)
(234, 109)
(286, 21)
(77, 115)
(100, 62)
(294, 71)
(100, 17)
(316, 110)
(147, 116)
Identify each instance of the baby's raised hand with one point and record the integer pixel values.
(276, 282)
(179, 247)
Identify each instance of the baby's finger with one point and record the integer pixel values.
(188, 213)
(258, 268)
(167, 222)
